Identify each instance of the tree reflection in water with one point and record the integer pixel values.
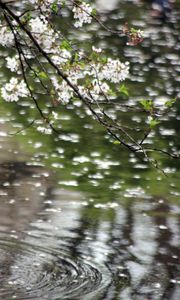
(135, 241)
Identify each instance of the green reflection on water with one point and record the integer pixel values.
(83, 157)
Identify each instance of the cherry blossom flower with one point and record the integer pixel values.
(114, 71)
(82, 14)
(43, 33)
(62, 57)
(97, 50)
(13, 90)
(45, 130)
(6, 36)
(12, 63)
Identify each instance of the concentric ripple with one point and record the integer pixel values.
(31, 272)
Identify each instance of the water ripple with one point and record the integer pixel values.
(34, 272)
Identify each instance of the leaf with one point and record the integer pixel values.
(103, 59)
(170, 103)
(94, 12)
(54, 7)
(65, 45)
(116, 142)
(42, 75)
(153, 123)
(147, 104)
(123, 89)
(27, 17)
(133, 30)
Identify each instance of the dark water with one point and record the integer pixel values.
(80, 217)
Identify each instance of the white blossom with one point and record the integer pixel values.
(12, 63)
(55, 115)
(62, 57)
(114, 71)
(13, 90)
(82, 14)
(6, 36)
(45, 130)
(97, 73)
(43, 33)
(45, 4)
(63, 90)
(98, 88)
(97, 50)
(140, 33)
(38, 25)
(93, 70)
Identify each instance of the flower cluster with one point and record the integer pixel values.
(97, 89)
(6, 36)
(82, 14)
(43, 33)
(14, 89)
(44, 129)
(12, 63)
(61, 57)
(93, 76)
(38, 25)
(63, 91)
(49, 40)
(97, 50)
(114, 71)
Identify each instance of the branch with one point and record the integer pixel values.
(113, 128)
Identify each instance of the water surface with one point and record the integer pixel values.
(80, 217)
